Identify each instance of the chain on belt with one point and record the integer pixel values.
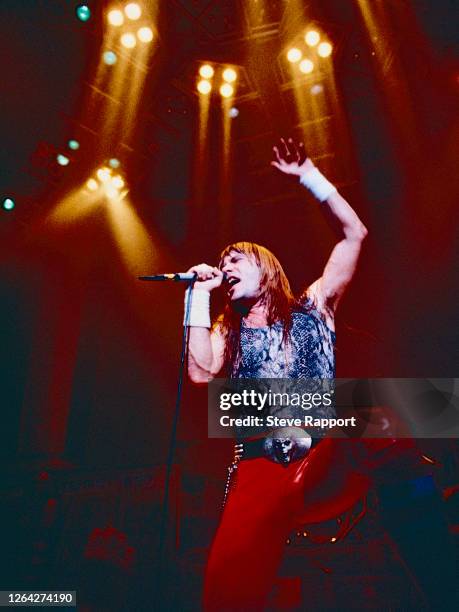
(232, 471)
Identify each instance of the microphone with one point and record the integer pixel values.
(187, 277)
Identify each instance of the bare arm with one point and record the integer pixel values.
(205, 354)
(206, 346)
(342, 263)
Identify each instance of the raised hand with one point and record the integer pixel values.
(291, 158)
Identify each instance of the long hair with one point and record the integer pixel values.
(275, 293)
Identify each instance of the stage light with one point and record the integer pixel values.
(103, 174)
(316, 89)
(8, 204)
(306, 66)
(226, 90)
(206, 71)
(114, 163)
(233, 112)
(109, 58)
(117, 182)
(111, 192)
(333, 539)
(133, 11)
(62, 160)
(324, 49)
(145, 34)
(83, 12)
(312, 38)
(128, 40)
(115, 18)
(229, 75)
(73, 144)
(204, 87)
(294, 55)
(92, 184)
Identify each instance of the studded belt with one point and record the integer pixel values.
(280, 450)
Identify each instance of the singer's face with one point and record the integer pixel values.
(243, 276)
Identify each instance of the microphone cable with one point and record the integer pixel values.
(162, 578)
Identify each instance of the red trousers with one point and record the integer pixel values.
(266, 503)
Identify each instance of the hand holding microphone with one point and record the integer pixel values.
(197, 314)
(201, 275)
(207, 277)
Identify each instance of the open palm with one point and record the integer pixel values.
(291, 158)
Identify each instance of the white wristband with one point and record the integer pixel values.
(315, 181)
(199, 315)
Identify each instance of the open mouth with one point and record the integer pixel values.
(232, 281)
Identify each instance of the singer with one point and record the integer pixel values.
(264, 332)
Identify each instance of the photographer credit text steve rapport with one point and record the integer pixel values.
(254, 400)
